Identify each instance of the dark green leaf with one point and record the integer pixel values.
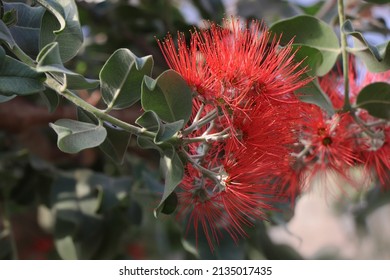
(376, 58)
(117, 140)
(310, 57)
(168, 96)
(74, 136)
(5, 35)
(27, 28)
(312, 93)
(121, 78)
(16, 78)
(89, 219)
(170, 204)
(152, 122)
(167, 131)
(375, 98)
(51, 99)
(49, 60)
(116, 143)
(311, 32)
(60, 23)
(173, 170)
(99, 193)
(66, 216)
(147, 143)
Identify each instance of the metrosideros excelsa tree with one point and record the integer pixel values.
(245, 118)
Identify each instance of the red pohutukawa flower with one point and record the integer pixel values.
(251, 141)
(231, 65)
(334, 144)
(242, 127)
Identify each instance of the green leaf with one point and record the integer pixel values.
(314, 33)
(310, 57)
(104, 192)
(168, 96)
(375, 98)
(376, 58)
(150, 121)
(121, 78)
(66, 217)
(147, 143)
(16, 78)
(51, 99)
(74, 136)
(165, 131)
(91, 213)
(6, 98)
(312, 93)
(49, 60)
(5, 35)
(60, 23)
(170, 204)
(27, 28)
(117, 140)
(173, 171)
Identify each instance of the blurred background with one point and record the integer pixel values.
(86, 206)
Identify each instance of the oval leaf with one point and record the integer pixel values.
(170, 204)
(168, 96)
(74, 136)
(16, 78)
(312, 32)
(165, 131)
(375, 98)
(376, 58)
(27, 28)
(310, 57)
(312, 93)
(5, 35)
(51, 99)
(117, 140)
(150, 121)
(60, 23)
(173, 170)
(49, 60)
(121, 78)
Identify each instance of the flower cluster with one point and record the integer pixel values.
(334, 144)
(250, 142)
(242, 128)
(333, 147)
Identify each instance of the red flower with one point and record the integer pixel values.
(244, 83)
(230, 67)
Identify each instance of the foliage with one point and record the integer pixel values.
(201, 122)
